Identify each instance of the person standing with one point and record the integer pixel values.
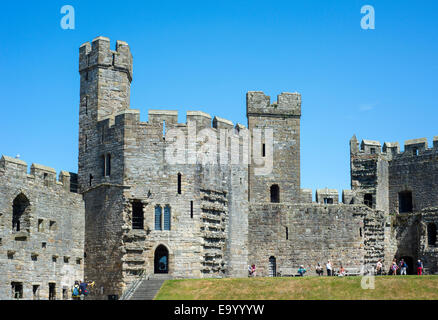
(75, 292)
(83, 290)
(253, 270)
(319, 270)
(403, 267)
(329, 268)
(419, 267)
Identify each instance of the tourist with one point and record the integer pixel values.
(419, 267)
(253, 270)
(249, 271)
(403, 267)
(394, 268)
(83, 290)
(319, 270)
(342, 272)
(379, 267)
(75, 291)
(329, 268)
(301, 271)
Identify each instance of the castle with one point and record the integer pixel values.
(130, 212)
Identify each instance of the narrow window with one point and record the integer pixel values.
(368, 200)
(431, 234)
(40, 225)
(17, 290)
(103, 165)
(36, 292)
(275, 193)
(86, 105)
(179, 183)
(157, 217)
(54, 258)
(191, 209)
(108, 165)
(405, 202)
(287, 233)
(52, 291)
(86, 76)
(263, 150)
(415, 151)
(137, 215)
(44, 245)
(360, 232)
(86, 142)
(328, 201)
(164, 129)
(66, 259)
(166, 217)
(91, 179)
(102, 137)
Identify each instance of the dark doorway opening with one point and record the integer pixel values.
(272, 267)
(20, 213)
(137, 215)
(52, 291)
(405, 202)
(161, 260)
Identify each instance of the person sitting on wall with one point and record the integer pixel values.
(319, 270)
(253, 270)
(301, 271)
(342, 272)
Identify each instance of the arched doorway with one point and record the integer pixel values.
(161, 260)
(272, 267)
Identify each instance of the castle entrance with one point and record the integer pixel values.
(161, 260)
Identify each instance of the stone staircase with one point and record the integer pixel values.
(148, 288)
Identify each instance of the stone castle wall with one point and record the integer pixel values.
(49, 245)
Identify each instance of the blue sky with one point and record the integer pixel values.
(205, 55)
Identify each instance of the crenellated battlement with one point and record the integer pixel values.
(259, 104)
(39, 174)
(99, 54)
(413, 147)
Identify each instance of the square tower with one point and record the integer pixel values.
(274, 171)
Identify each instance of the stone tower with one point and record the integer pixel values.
(104, 92)
(282, 119)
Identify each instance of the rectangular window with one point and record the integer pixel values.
(54, 258)
(108, 165)
(263, 150)
(52, 225)
(328, 201)
(157, 218)
(167, 217)
(34, 257)
(66, 259)
(191, 209)
(405, 202)
(373, 150)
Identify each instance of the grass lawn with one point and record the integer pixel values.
(306, 288)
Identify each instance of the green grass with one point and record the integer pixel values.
(307, 288)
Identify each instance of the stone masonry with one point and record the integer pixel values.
(139, 207)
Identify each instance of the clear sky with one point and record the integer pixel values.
(379, 84)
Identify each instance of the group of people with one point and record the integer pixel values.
(398, 268)
(80, 289)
